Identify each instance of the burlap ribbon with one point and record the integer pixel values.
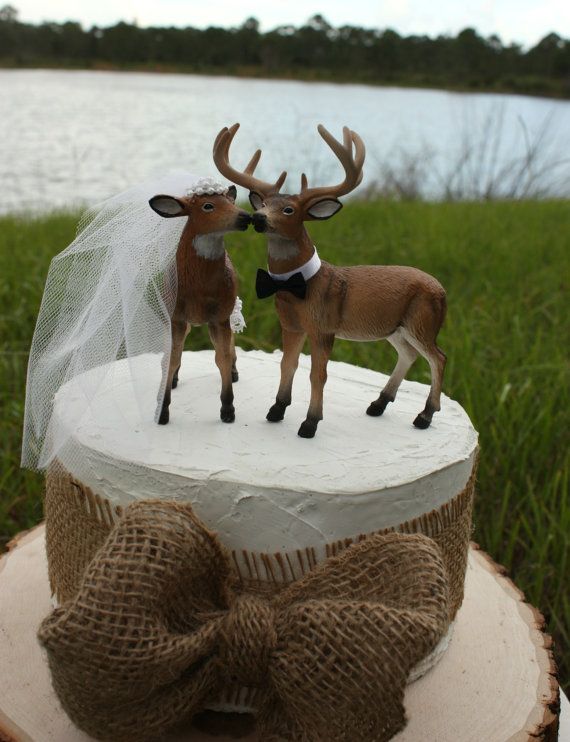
(160, 626)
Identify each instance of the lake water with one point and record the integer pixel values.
(70, 137)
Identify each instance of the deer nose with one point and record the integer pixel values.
(243, 220)
(259, 222)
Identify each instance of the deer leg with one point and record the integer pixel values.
(407, 354)
(436, 359)
(175, 378)
(292, 347)
(235, 375)
(321, 347)
(179, 332)
(221, 336)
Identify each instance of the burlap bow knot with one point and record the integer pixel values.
(160, 626)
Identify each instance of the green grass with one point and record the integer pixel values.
(506, 268)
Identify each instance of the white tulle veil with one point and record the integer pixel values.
(108, 296)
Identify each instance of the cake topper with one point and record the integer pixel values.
(207, 284)
(109, 298)
(320, 301)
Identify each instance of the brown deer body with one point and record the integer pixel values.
(400, 304)
(207, 284)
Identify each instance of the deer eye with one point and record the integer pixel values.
(208, 207)
(288, 210)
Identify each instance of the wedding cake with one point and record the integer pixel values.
(204, 563)
(211, 565)
(279, 503)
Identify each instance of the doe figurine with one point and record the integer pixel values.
(401, 304)
(207, 283)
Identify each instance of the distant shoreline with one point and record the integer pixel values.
(536, 87)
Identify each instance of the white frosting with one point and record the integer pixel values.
(256, 483)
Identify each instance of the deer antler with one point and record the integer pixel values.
(352, 162)
(245, 178)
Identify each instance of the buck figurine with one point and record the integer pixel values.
(400, 304)
(207, 284)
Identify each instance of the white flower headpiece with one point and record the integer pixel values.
(206, 187)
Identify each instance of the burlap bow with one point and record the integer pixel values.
(160, 626)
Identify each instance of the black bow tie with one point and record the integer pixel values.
(266, 286)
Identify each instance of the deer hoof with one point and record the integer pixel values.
(235, 375)
(422, 422)
(376, 408)
(228, 414)
(164, 416)
(276, 412)
(308, 429)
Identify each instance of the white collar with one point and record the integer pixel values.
(308, 270)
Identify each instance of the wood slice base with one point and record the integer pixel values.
(495, 683)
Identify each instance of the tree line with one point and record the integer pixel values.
(316, 50)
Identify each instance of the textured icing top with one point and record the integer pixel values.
(257, 483)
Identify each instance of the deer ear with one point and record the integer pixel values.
(324, 209)
(255, 200)
(166, 206)
(231, 193)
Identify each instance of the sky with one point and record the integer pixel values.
(522, 21)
